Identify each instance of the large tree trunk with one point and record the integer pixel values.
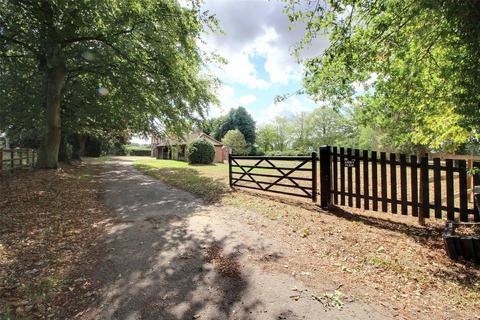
(48, 153)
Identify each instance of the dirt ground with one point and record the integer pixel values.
(131, 247)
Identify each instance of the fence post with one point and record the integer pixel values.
(230, 170)
(12, 160)
(314, 177)
(325, 176)
(1, 160)
(20, 157)
(424, 192)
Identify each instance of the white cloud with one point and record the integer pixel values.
(256, 28)
(290, 107)
(249, 98)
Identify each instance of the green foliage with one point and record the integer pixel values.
(306, 132)
(239, 119)
(201, 151)
(235, 140)
(411, 67)
(289, 153)
(121, 66)
(140, 153)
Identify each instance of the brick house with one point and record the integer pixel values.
(176, 149)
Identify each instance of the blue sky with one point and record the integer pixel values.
(256, 44)
(257, 41)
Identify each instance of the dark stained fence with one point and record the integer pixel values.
(292, 176)
(397, 183)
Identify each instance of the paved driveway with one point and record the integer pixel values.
(170, 256)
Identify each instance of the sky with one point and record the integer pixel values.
(257, 41)
(257, 44)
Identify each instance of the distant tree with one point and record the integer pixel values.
(240, 119)
(211, 126)
(325, 126)
(235, 140)
(266, 137)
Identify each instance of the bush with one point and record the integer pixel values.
(289, 153)
(140, 152)
(119, 150)
(201, 151)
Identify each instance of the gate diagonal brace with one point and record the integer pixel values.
(285, 176)
(247, 172)
(289, 178)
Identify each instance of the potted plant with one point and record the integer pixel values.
(462, 239)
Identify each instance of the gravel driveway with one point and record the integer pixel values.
(170, 256)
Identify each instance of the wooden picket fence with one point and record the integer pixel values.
(397, 183)
(17, 158)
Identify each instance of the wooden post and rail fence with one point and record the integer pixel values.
(17, 158)
(437, 186)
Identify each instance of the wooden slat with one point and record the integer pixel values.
(350, 179)
(273, 168)
(450, 190)
(414, 184)
(425, 189)
(374, 182)
(273, 176)
(462, 180)
(342, 176)
(383, 173)
(335, 175)
(403, 184)
(366, 191)
(358, 199)
(276, 191)
(437, 188)
(393, 182)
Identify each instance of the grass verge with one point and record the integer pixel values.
(206, 181)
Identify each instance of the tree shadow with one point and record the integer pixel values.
(155, 266)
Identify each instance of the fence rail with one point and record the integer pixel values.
(282, 181)
(423, 187)
(388, 182)
(17, 158)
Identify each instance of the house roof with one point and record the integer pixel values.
(186, 139)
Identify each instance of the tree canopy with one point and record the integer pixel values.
(411, 67)
(240, 119)
(235, 140)
(101, 66)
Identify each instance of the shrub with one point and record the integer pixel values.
(201, 151)
(140, 152)
(289, 153)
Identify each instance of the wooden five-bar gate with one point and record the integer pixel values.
(293, 176)
(379, 181)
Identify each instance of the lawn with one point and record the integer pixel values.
(207, 181)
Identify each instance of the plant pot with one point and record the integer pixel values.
(476, 194)
(461, 246)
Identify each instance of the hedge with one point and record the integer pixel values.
(201, 151)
